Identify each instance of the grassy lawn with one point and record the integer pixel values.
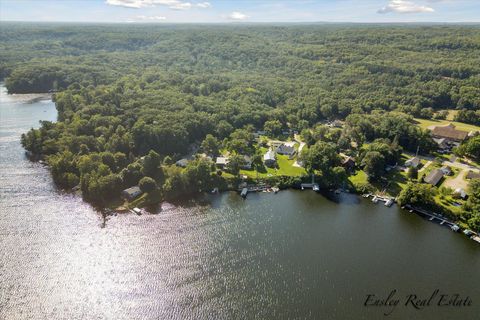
(424, 124)
(285, 168)
(392, 184)
(451, 114)
(359, 177)
(448, 203)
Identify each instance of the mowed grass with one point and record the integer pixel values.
(424, 124)
(393, 183)
(285, 168)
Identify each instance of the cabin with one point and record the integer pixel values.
(285, 150)
(269, 158)
(434, 177)
(182, 163)
(449, 133)
(413, 162)
(131, 193)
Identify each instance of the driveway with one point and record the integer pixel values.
(457, 182)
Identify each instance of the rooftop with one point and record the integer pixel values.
(449, 132)
(434, 177)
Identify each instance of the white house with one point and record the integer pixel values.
(269, 158)
(221, 162)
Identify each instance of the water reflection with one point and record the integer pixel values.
(273, 256)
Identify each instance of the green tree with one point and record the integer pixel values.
(151, 165)
(418, 195)
(273, 128)
(373, 164)
(148, 185)
(322, 157)
(412, 173)
(210, 145)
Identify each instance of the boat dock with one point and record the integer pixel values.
(313, 186)
(256, 188)
(434, 217)
(376, 198)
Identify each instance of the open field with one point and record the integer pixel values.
(425, 124)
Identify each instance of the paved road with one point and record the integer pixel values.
(460, 165)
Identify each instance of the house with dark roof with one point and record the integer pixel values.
(434, 177)
(449, 133)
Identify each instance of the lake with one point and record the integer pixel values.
(291, 255)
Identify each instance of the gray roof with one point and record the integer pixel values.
(285, 149)
(434, 177)
(182, 162)
(414, 162)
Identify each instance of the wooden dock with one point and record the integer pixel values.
(434, 217)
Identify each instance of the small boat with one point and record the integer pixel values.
(476, 238)
(316, 187)
(455, 227)
(137, 211)
(275, 189)
(389, 202)
(468, 233)
(244, 193)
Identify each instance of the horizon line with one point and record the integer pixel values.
(239, 22)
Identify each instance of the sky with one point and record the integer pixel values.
(224, 11)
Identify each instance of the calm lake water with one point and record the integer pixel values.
(293, 255)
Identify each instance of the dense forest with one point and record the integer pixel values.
(133, 99)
